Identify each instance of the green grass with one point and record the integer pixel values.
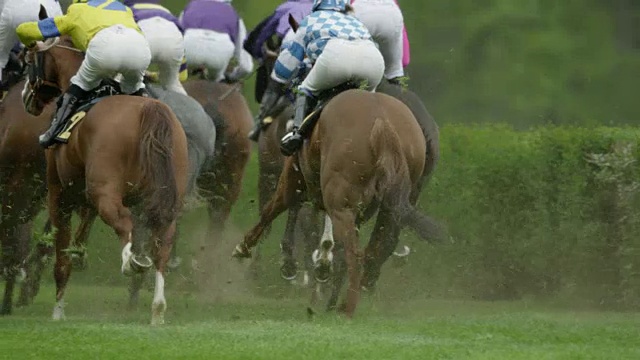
(99, 326)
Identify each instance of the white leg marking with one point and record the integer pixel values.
(126, 259)
(323, 256)
(58, 310)
(327, 236)
(159, 303)
(21, 276)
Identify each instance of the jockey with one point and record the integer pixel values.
(213, 37)
(340, 49)
(112, 41)
(164, 34)
(384, 20)
(276, 24)
(15, 13)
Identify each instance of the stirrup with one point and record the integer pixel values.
(291, 143)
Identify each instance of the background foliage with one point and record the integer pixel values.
(524, 62)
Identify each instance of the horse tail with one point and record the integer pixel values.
(394, 181)
(156, 162)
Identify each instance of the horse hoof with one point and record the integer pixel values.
(174, 263)
(21, 276)
(288, 271)
(322, 272)
(79, 262)
(140, 264)
(241, 252)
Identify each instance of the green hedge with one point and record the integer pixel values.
(549, 211)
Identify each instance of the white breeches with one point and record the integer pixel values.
(15, 13)
(344, 60)
(214, 51)
(384, 21)
(115, 50)
(167, 50)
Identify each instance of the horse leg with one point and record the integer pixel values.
(345, 230)
(323, 255)
(8, 268)
(140, 237)
(118, 217)
(309, 226)
(287, 193)
(161, 248)
(35, 265)
(288, 270)
(60, 215)
(79, 253)
(384, 239)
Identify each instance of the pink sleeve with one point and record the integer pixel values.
(406, 56)
(406, 53)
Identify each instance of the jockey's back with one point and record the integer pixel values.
(147, 9)
(211, 15)
(316, 30)
(82, 22)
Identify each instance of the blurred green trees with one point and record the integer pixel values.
(524, 62)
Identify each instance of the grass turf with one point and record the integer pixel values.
(99, 326)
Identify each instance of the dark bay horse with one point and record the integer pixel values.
(366, 154)
(221, 185)
(143, 164)
(22, 187)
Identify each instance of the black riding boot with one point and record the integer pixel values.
(269, 100)
(66, 107)
(397, 81)
(292, 141)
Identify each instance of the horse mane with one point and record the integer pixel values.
(66, 41)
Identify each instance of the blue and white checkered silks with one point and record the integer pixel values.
(312, 36)
(335, 5)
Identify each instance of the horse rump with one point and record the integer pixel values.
(394, 183)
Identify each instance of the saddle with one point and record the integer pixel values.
(315, 107)
(107, 87)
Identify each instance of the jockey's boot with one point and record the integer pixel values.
(66, 107)
(397, 81)
(269, 100)
(292, 141)
(141, 92)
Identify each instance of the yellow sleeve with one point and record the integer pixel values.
(184, 72)
(33, 31)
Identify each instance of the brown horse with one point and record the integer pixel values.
(271, 163)
(230, 112)
(353, 165)
(22, 187)
(143, 164)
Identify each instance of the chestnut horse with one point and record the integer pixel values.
(366, 154)
(22, 188)
(271, 163)
(144, 164)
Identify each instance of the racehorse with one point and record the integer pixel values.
(271, 164)
(143, 164)
(22, 187)
(228, 108)
(355, 164)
